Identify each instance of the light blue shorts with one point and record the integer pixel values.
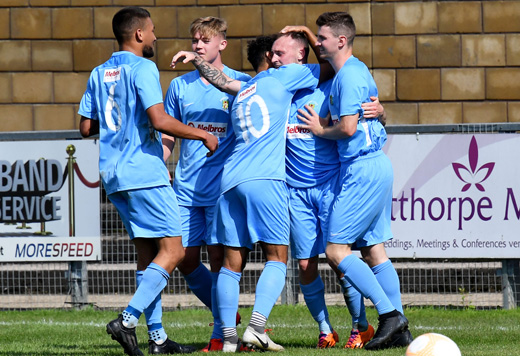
(197, 225)
(309, 209)
(256, 210)
(361, 214)
(148, 212)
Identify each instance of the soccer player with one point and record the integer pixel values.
(194, 101)
(123, 103)
(361, 213)
(253, 205)
(312, 174)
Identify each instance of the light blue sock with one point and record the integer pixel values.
(314, 295)
(153, 282)
(228, 291)
(361, 277)
(217, 323)
(269, 287)
(153, 315)
(389, 280)
(355, 305)
(200, 284)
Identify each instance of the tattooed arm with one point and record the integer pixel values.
(214, 75)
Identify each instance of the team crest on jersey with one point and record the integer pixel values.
(330, 100)
(225, 103)
(246, 93)
(312, 104)
(111, 75)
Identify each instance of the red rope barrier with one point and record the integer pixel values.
(83, 179)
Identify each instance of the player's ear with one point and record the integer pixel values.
(301, 54)
(342, 41)
(139, 35)
(223, 45)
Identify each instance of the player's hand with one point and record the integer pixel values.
(288, 29)
(372, 109)
(311, 120)
(211, 143)
(185, 56)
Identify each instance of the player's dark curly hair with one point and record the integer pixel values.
(126, 21)
(257, 49)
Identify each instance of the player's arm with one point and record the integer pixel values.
(346, 127)
(165, 123)
(88, 127)
(168, 143)
(326, 70)
(214, 75)
(374, 109)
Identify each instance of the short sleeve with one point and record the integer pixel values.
(171, 100)
(87, 107)
(147, 84)
(296, 76)
(352, 91)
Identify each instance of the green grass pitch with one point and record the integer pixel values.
(71, 332)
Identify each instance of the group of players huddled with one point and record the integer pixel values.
(293, 155)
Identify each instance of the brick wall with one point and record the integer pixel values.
(434, 62)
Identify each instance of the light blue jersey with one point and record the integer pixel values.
(259, 115)
(361, 212)
(310, 160)
(200, 105)
(351, 86)
(118, 93)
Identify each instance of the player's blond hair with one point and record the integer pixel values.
(209, 27)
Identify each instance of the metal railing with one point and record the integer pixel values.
(111, 282)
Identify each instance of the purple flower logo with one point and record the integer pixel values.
(473, 175)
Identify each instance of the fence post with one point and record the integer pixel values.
(290, 291)
(510, 283)
(78, 282)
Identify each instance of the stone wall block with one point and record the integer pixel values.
(72, 23)
(34, 87)
(16, 118)
(418, 84)
(440, 113)
(394, 51)
(54, 56)
(460, 17)
(463, 84)
(54, 117)
(30, 23)
(416, 17)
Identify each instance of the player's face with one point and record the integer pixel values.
(148, 38)
(285, 50)
(327, 42)
(208, 48)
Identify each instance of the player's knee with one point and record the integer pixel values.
(308, 271)
(333, 257)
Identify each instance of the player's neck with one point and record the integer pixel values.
(339, 60)
(130, 48)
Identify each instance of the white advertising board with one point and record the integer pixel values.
(455, 196)
(34, 202)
